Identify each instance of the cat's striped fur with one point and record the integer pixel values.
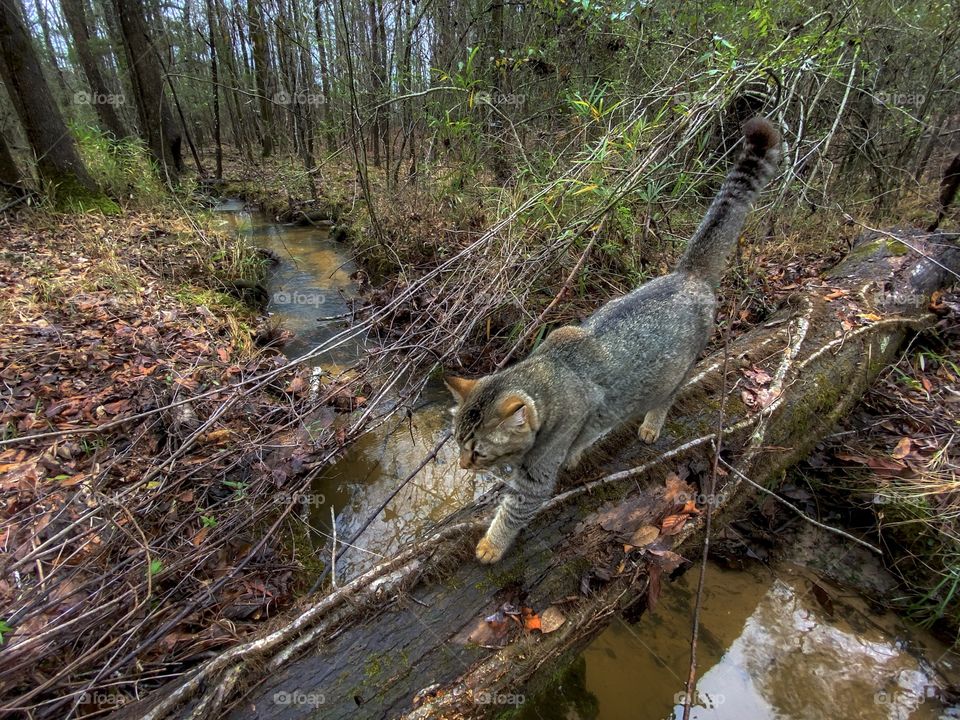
(626, 361)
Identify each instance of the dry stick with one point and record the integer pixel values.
(798, 511)
(333, 549)
(430, 456)
(692, 675)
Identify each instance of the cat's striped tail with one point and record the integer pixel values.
(711, 245)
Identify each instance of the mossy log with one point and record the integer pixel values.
(391, 643)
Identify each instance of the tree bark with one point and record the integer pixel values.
(58, 162)
(262, 74)
(215, 82)
(157, 127)
(367, 649)
(9, 172)
(106, 111)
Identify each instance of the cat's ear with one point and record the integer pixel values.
(460, 387)
(517, 413)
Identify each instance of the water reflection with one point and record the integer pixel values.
(767, 650)
(312, 282)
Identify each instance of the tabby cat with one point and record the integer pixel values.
(626, 361)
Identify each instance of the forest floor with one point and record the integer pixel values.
(132, 525)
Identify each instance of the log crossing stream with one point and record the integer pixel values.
(770, 645)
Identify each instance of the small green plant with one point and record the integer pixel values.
(156, 565)
(5, 629)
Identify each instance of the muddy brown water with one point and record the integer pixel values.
(770, 647)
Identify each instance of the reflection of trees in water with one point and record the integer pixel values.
(373, 469)
(567, 697)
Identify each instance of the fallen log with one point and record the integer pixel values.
(401, 640)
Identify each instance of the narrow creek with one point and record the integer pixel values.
(773, 644)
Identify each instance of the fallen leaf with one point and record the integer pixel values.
(823, 598)
(668, 560)
(216, 436)
(903, 448)
(653, 586)
(624, 517)
(672, 524)
(758, 376)
(644, 535)
(200, 536)
(830, 297)
(492, 631)
(551, 619)
(677, 490)
(297, 385)
(73, 480)
(531, 621)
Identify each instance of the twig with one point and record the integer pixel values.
(711, 491)
(333, 549)
(800, 512)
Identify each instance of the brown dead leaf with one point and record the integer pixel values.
(551, 619)
(492, 631)
(668, 560)
(297, 385)
(672, 524)
(902, 449)
(624, 517)
(73, 480)
(644, 535)
(758, 376)
(831, 296)
(678, 491)
(886, 466)
(653, 585)
(216, 436)
(200, 536)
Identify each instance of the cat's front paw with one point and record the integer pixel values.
(649, 434)
(487, 552)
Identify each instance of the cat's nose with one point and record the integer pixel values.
(465, 461)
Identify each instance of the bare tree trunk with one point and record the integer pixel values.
(262, 74)
(101, 97)
(157, 127)
(318, 25)
(215, 81)
(410, 616)
(58, 162)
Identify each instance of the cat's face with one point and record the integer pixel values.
(491, 427)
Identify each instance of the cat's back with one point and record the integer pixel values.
(670, 303)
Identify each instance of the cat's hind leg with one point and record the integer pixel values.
(653, 423)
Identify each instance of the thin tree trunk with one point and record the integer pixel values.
(157, 127)
(262, 75)
(215, 79)
(324, 71)
(101, 96)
